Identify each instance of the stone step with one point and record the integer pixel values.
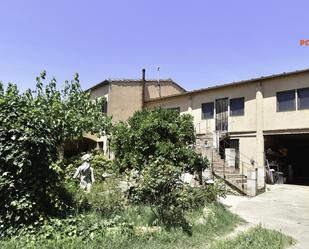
(229, 174)
(239, 181)
(234, 181)
(238, 184)
(222, 167)
(235, 176)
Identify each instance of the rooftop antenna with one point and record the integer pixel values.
(158, 81)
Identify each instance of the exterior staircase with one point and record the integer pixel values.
(232, 176)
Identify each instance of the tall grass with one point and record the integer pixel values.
(256, 238)
(217, 223)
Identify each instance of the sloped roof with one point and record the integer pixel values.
(234, 83)
(130, 81)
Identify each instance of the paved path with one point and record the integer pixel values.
(283, 207)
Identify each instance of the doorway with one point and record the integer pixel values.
(288, 155)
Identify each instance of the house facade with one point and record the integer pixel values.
(241, 126)
(252, 117)
(126, 96)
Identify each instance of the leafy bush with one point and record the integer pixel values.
(83, 227)
(158, 145)
(160, 188)
(101, 165)
(107, 198)
(33, 125)
(154, 133)
(200, 196)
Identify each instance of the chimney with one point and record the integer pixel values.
(143, 83)
(143, 74)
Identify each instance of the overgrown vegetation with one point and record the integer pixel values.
(138, 200)
(130, 230)
(33, 126)
(157, 145)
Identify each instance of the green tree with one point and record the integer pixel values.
(33, 125)
(154, 133)
(158, 145)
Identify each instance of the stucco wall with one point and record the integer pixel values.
(274, 120)
(239, 123)
(167, 88)
(124, 100)
(182, 102)
(247, 149)
(192, 104)
(99, 91)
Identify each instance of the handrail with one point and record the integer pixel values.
(240, 172)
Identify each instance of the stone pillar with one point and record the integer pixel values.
(260, 137)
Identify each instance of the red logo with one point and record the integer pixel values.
(304, 42)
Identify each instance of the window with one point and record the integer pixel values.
(237, 107)
(208, 110)
(303, 98)
(286, 101)
(104, 107)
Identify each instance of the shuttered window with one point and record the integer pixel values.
(286, 101)
(208, 110)
(237, 107)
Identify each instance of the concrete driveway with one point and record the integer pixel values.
(282, 207)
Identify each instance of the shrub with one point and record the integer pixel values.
(158, 145)
(200, 196)
(160, 188)
(82, 228)
(106, 198)
(33, 126)
(101, 165)
(155, 133)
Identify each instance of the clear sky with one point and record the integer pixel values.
(197, 43)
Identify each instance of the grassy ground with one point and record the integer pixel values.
(208, 228)
(256, 238)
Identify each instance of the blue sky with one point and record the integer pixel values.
(197, 43)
